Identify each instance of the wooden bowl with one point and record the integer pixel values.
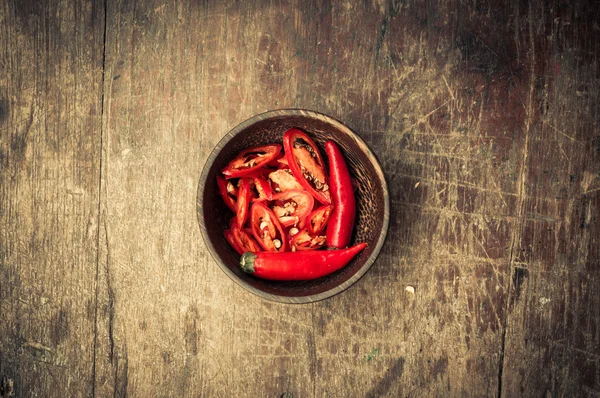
(372, 201)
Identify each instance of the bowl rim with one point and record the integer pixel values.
(211, 248)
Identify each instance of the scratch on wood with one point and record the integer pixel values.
(38, 346)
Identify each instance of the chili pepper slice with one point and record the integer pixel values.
(263, 189)
(292, 206)
(307, 164)
(317, 220)
(341, 221)
(266, 228)
(275, 163)
(243, 201)
(232, 241)
(305, 241)
(225, 194)
(284, 180)
(251, 159)
(298, 265)
(283, 162)
(242, 240)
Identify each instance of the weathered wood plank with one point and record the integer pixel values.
(178, 77)
(484, 116)
(553, 339)
(50, 107)
(371, 66)
(416, 82)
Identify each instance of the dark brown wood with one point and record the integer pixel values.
(484, 116)
(553, 318)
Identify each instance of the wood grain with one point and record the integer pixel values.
(553, 312)
(483, 115)
(51, 106)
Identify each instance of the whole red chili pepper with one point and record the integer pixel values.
(304, 265)
(341, 221)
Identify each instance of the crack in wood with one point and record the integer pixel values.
(99, 198)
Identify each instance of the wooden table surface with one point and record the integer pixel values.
(485, 118)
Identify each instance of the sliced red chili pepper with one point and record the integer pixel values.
(275, 163)
(251, 159)
(341, 222)
(263, 189)
(299, 265)
(225, 194)
(305, 241)
(317, 220)
(284, 180)
(266, 228)
(292, 206)
(232, 241)
(243, 201)
(307, 164)
(245, 241)
(242, 239)
(282, 163)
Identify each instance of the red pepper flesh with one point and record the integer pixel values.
(225, 195)
(263, 188)
(298, 265)
(284, 180)
(266, 228)
(317, 220)
(250, 160)
(305, 241)
(292, 206)
(306, 164)
(243, 201)
(232, 241)
(242, 241)
(341, 221)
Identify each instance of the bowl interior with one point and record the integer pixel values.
(371, 199)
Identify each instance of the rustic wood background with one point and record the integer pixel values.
(484, 115)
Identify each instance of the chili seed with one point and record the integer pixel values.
(277, 243)
(293, 231)
(230, 187)
(263, 225)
